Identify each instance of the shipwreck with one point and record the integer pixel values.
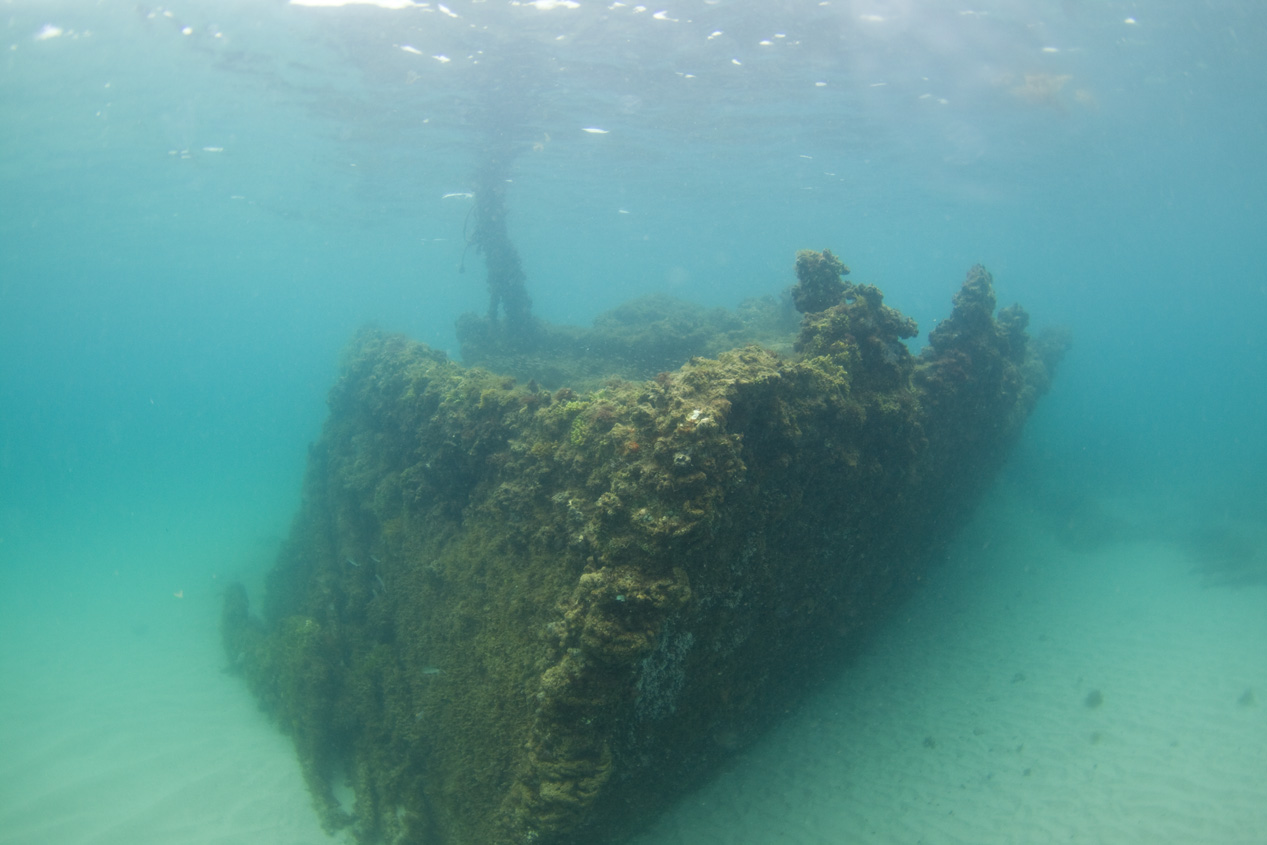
(517, 610)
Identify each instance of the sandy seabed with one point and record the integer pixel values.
(1026, 694)
(967, 719)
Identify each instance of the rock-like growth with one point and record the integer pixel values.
(818, 284)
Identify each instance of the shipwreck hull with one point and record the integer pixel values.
(506, 615)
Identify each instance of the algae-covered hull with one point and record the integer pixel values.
(506, 615)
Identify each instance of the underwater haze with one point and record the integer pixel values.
(201, 203)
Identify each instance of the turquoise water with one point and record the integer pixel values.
(202, 202)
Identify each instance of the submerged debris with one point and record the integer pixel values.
(623, 585)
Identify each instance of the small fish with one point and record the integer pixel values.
(380, 581)
(353, 563)
(375, 560)
(594, 130)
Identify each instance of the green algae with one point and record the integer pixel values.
(634, 341)
(507, 615)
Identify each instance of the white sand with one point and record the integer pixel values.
(117, 725)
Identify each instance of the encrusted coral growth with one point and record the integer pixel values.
(507, 615)
(818, 285)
